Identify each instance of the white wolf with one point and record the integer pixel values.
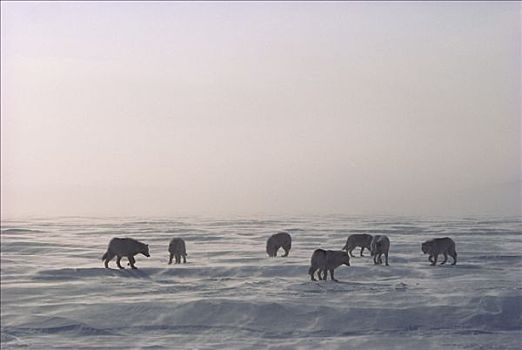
(380, 245)
(127, 247)
(327, 260)
(362, 240)
(437, 246)
(276, 241)
(177, 249)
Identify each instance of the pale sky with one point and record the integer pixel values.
(172, 108)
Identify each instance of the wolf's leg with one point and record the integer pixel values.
(332, 275)
(434, 261)
(109, 257)
(445, 258)
(430, 258)
(350, 251)
(379, 258)
(118, 260)
(325, 274)
(362, 250)
(454, 258)
(386, 258)
(184, 258)
(287, 250)
(170, 258)
(312, 271)
(132, 261)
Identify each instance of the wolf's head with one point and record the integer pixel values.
(373, 248)
(271, 247)
(425, 247)
(145, 250)
(373, 245)
(271, 251)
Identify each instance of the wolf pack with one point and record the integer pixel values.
(321, 262)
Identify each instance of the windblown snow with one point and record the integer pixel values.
(56, 294)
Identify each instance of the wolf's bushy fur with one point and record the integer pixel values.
(124, 247)
(276, 241)
(436, 246)
(177, 249)
(323, 261)
(355, 240)
(380, 245)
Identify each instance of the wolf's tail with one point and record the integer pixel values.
(310, 270)
(345, 247)
(105, 255)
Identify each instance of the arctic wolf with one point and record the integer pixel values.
(327, 260)
(177, 249)
(276, 241)
(380, 245)
(437, 246)
(362, 240)
(127, 247)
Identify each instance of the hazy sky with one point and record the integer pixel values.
(174, 108)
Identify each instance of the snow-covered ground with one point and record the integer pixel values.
(55, 292)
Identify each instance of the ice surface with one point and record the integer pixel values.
(57, 295)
